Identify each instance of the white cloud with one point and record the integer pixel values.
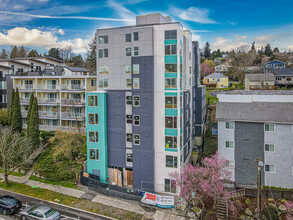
(125, 15)
(227, 44)
(290, 47)
(198, 15)
(60, 31)
(195, 37)
(233, 23)
(46, 39)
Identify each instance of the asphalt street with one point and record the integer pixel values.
(66, 212)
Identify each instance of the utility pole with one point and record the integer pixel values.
(259, 165)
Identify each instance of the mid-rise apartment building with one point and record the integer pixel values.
(142, 120)
(254, 124)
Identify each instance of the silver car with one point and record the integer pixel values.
(40, 212)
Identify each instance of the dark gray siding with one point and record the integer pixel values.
(249, 145)
(143, 154)
(186, 122)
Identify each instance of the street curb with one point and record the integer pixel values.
(92, 213)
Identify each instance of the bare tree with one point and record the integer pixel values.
(16, 152)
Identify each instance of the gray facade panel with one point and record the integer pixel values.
(249, 145)
(186, 122)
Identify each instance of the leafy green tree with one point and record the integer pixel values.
(3, 54)
(14, 52)
(30, 106)
(54, 53)
(16, 122)
(33, 132)
(268, 50)
(11, 107)
(207, 50)
(33, 53)
(4, 117)
(91, 60)
(276, 50)
(77, 60)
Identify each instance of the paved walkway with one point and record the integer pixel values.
(102, 199)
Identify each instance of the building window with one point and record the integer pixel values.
(103, 39)
(171, 35)
(129, 119)
(135, 36)
(93, 82)
(170, 83)
(128, 83)
(136, 101)
(128, 100)
(171, 161)
(136, 121)
(128, 51)
(230, 125)
(93, 136)
(171, 122)
(129, 157)
(136, 139)
(127, 37)
(270, 127)
(103, 53)
(270, 168)
(170, 186)
(230, 144)
(170, 141)
(135, 51)
(135, 68)
(171, 49)
(93, 119)
(129, 137)
(103, 83)
(136, 83)
(171, 102)
(94, 154)
(269, 147)
(128, 69)
(170, 68)
(103, 69)
(93, 100)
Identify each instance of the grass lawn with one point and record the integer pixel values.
(13, 173)
(70, 201)
(52, 182)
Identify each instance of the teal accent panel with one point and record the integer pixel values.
(170, 42)
(170, 89)
(180, 59)
(170, 112)
(171, 59)
(171, 149)
(181, 93)
(171, 132)
(181, 111)
(102, 164)
(171, 75)
(180, 130)
(171, 94)
(181, 75)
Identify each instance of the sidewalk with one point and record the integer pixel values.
(98, 198)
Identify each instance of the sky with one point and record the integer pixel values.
(225, 24)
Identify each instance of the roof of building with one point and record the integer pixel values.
(14, 61)
(30, 58)
(256, 112)
(254, 92)
(216, 75)
(260, 77)
(77, 69)
(282, 72)
(5, 67)
(50, 58)
(275, 61)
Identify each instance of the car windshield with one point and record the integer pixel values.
(50, 213)
(9, 201)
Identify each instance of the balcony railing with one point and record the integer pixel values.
(73, 102)
(24, 100)
(43, 114)
(72, 115)
(24, 87)
(48, 87)
(48, 101)
(72, 87)
(55, 127)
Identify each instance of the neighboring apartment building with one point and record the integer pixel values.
(283, 77)
(216, 81)
(259, 81)
(254, 124)
(142, 120)
(5, 86)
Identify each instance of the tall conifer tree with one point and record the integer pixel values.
(16, 121)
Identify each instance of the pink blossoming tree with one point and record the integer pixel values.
(289, 210)
(207, 181)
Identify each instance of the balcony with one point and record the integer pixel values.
(73, 116)
(43, 114)
(24, 87)
(55, 127)
(73, 102)
(24, 100)
(66, 87)
(49, 101)
(47, 88)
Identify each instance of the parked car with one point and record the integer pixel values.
(40, 212)
(9, 205)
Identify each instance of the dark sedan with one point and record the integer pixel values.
(9, 205)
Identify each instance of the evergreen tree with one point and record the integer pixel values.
(33, 132)
(91, 59)
(30, 106)
(33, 53)
(268, 50)
(16, 121)
(77, 60)
(22, 51)
(14, 52)
(253, 46)
(218, 53)
(276, 50)
(54, 53)
(3, 54)
(11, 107)
(207, 51)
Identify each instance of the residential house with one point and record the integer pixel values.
(275, 64)
(216, 81)
(222, 68)
(263, 81)
(257, 124)
(142, 121)
(283, 77)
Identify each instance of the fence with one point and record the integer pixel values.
(270, 193)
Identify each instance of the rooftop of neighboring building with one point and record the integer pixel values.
(31, 58)
(275, 61)
(255, 92)
(5, 67)
(282, 72)
(77, 69)
(215, 75)
(260, 77)
(14, 61)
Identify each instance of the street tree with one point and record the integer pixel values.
(16, 121)
(207, 183)
(33, 132)
(16, 152)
